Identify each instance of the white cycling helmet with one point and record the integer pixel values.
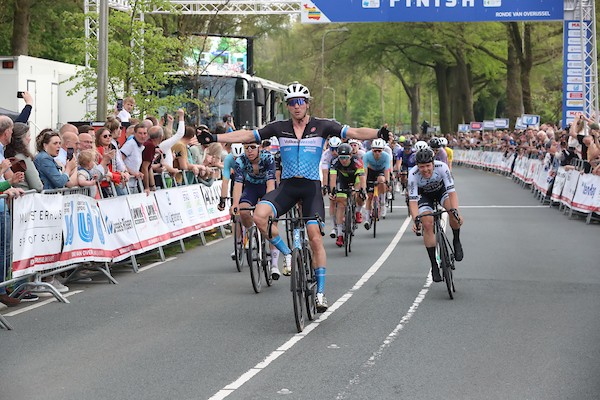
(420, 145)
(296, 90)
(444, 141)
(237, 149)
(335, 141)
(378, 144)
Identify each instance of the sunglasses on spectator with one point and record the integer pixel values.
(105, 136)
(296, 102)
(251, 147)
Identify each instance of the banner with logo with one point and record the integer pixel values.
(559, 183)
(83, 231)
(175, 207)
(586, 194)
(121, 238)
(151, 230)
(37, 233)
(566, 197)
(211, 195)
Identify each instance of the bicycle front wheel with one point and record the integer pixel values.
(266, 261)
(348, 230)
(310, 286)
(445, 264)
(254, 258)
(375, 216)
(296, 286)
(238, 244)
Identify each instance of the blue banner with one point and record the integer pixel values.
(322, 11)
(573, 71)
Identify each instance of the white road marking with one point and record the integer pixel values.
(39, 304)
(370, 363)
(245, 377)
(150, 266)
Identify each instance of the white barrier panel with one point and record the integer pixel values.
(83, 231)
(586, 195)
(559, 183)
(37, 233)
(211, 197)
(149, 226)
(121, 238)
(568, 191)
(177, 211)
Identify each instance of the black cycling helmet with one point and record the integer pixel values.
(435, 143)
(424, 156)
(344, 149)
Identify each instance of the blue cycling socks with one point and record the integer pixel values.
(278, 242)
(320, 275)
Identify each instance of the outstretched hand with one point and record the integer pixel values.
(205, 137)
(384, 133)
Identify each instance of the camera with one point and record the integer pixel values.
(119, 104)
(70, 152)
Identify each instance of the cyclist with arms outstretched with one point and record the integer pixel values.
(430, 182)
(301, 140)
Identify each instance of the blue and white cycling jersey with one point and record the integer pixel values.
(244, 170)
(300, 158)
(441, 180)
(228, 165)
(382, 164)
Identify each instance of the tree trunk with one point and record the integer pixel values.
(443, 97)
(20, 36)
(514, 93)
(464, 85)
(415, 107)
(526, 66)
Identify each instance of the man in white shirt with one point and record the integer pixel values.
(132, 154)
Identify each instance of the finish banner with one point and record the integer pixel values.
(322, 11)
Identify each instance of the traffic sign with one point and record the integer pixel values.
(320, 11)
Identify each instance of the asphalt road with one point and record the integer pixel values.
(524, 323)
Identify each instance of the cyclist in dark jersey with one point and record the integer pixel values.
(301, 139)
(346, 172)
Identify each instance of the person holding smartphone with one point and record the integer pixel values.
(228, 122)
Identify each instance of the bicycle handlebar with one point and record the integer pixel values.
(437, 214)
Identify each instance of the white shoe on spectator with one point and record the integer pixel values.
(60, 288)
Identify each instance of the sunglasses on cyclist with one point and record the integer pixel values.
(377, 150)
(344, 157)
(251, 147)
(296, 102)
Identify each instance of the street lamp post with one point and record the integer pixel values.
(333, 91)
(344, 29)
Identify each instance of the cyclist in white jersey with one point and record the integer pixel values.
(429, 182)
(301, 140)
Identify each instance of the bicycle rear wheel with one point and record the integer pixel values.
(310, 286)
(238, 244)
(445, 264)
(254, 258)
(297, 288)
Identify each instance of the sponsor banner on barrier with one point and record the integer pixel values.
(586, 194)
(212, 195)
(559, 183)
(121, 238)
(568, 191)
(83, 231)
(37, 233)
(175, 207)
(149, 226)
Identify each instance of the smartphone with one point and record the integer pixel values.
(19, 95)
(119, 104)
(70, 152)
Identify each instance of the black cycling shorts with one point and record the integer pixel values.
(427, 201)
(291, 191)
(372, 176)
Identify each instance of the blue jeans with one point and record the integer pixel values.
(5, 245)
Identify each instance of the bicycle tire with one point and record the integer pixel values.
(348, 230)
(297, 289)
(375, 216)
(254, 258)
(266, 261)
(238, 245)
(445, 264)
(310, 286)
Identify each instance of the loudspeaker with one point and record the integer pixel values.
(245, 113)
